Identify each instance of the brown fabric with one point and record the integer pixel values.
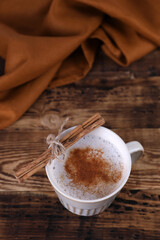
(47, 42)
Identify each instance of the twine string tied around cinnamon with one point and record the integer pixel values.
(57, 148)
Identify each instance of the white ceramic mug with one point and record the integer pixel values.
(130, 152)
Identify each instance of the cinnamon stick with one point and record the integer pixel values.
(68, 140)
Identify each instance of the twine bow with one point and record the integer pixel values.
(57, 148)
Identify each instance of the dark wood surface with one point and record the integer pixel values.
(129, 100)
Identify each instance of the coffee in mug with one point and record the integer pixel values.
(93, 168)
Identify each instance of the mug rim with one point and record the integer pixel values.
(97, 199)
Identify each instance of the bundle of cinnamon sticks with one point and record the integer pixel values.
(68, 140)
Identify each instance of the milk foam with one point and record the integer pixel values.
(110, 154)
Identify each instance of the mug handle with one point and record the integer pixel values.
(135, 149)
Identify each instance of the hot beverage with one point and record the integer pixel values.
(93, 168)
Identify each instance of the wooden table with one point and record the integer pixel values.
(129, 100)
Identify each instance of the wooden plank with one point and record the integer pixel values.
(20, 147)
(133, 215)
(107, 70)
(129, 106)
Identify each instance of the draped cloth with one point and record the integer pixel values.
(49, 43)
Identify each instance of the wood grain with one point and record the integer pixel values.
(106, 72)
(133, 215)
(132, 104)
(129, 100)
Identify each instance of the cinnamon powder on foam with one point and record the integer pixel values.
(87, 167)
